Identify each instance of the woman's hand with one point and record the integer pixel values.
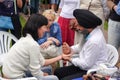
(57, 42)
(46, 44)
(66, 57)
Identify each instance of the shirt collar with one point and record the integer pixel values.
(94, 30)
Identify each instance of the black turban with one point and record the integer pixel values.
(86, 18)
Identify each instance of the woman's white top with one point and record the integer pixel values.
(68, 6)
(23, 56)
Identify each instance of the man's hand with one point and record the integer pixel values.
(66, 48)
(66, 57)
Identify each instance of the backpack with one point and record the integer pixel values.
(8, 7)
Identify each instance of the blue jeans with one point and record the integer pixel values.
(46, 69)
(114, 33)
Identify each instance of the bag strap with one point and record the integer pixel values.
(90, 4)
(15, 7)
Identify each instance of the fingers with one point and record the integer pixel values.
(65, 45)
(44, 45)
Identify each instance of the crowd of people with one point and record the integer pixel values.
(76, 26)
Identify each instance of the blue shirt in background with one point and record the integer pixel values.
(55, 32)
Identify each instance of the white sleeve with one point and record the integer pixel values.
(76, 48)
(36, 61)
(90, 53)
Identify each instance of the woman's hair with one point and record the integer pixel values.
(50, 13)
(34, 22)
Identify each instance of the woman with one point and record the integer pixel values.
(25, 54)
(11, 9)
(66, 8)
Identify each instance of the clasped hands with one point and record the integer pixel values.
(66, 52)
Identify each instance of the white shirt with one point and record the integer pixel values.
(68, 6)
(93, 53)
(24, 55)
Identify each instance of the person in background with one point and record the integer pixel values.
(51, 42)
(93, 51)
(14, 16)
(45, 4)
(65, 11)
(54, 4)
(113, 24)
(25, 54)
(35, 5)
(117, 8)
(16, 21)
(51, 37)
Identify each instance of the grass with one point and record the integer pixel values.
(106, 25)
(22, 20)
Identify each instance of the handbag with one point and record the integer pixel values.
(6, 22)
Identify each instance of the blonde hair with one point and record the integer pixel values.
(50, 13)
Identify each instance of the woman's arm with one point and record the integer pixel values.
(52, 60)
(19, 3)
(60, 6)
(60, 57)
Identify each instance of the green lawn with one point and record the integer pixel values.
(22, 20)
(106, 26)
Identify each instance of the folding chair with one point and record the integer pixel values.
(5, 44)
(112, 57)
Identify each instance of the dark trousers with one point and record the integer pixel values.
(17, 26)
(69, 72)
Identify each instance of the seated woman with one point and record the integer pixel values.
(50, 43)
(25, 54)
